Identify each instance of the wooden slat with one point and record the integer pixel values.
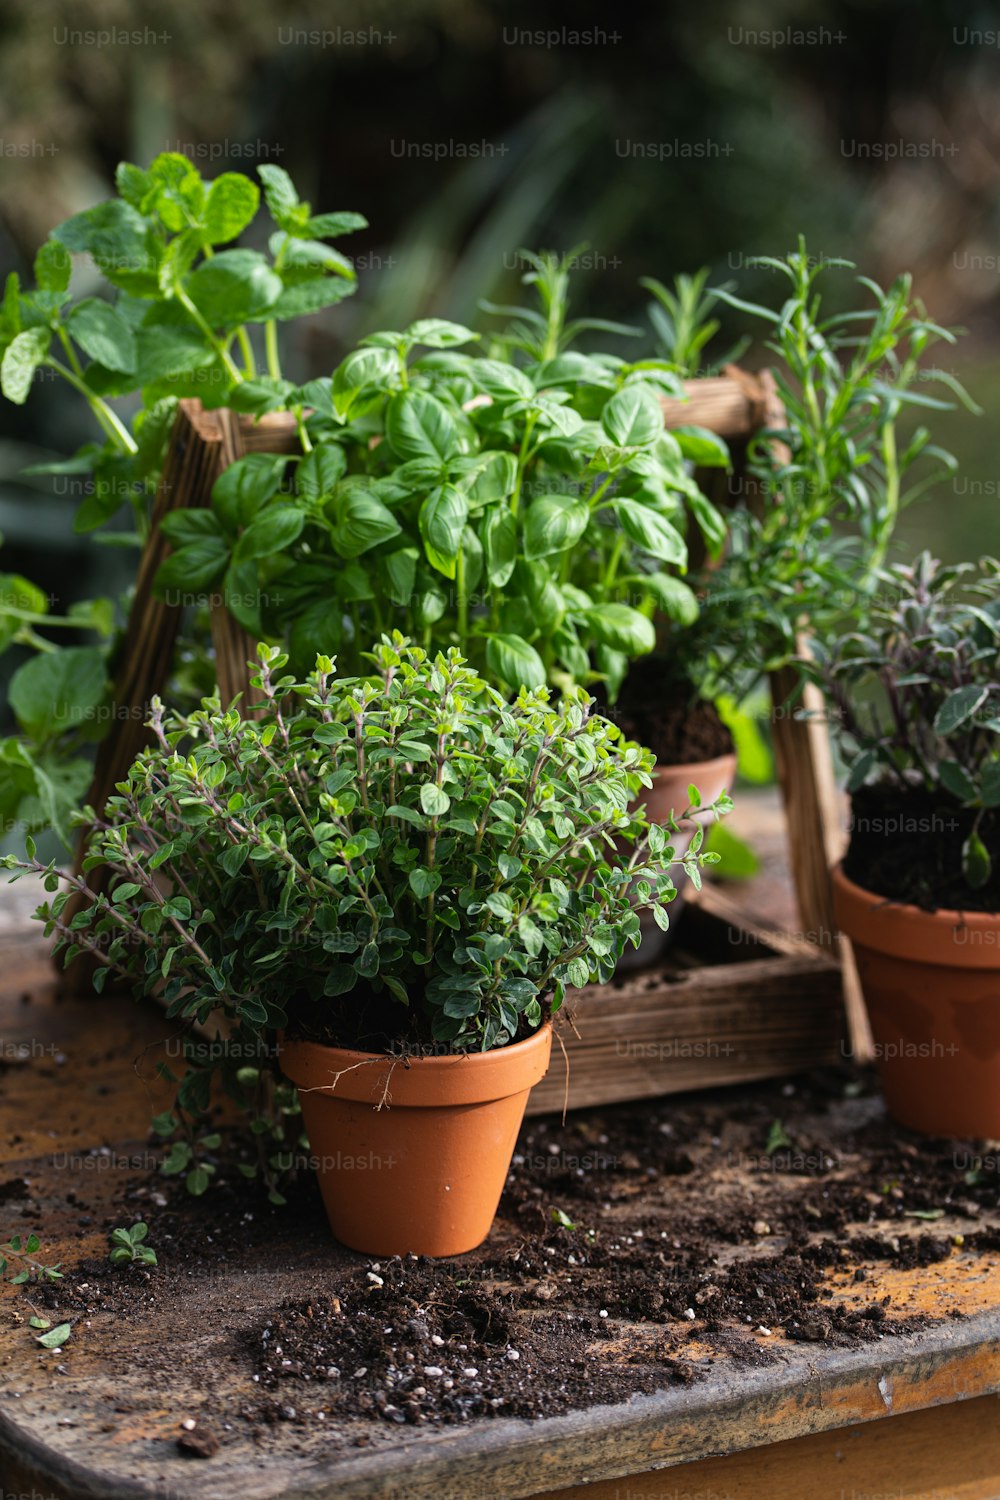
(732, 1003)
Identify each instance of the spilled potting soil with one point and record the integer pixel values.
(636, 1247)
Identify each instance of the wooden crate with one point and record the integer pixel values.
(781, 999)
(731, 1002)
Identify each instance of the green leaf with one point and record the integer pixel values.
(119, 241)
(361, 379)
(318, 472)
(959, 707)
(235, 286)
(438, 333)
(500, 545)
(56, 1337)
(21, 359)
(104, 334)
(633, 418)
(424, 883)
(976, 863)
(232, 202)
(419, 426)
(711, 522)
(702, 447)
(53, 267)
(194, 569)
(361, 522)
(554, 523)
(622, 628)
(271, 531)
(58, 690)
(442, 520)
(434, 800)
(246, 485)
(678, 602)
(280, 195)
(650, 531)
(956, 779)
(515, 662)
(331, 226)
(197, 1181)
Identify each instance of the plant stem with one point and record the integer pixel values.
(112, 424)
(231, 369)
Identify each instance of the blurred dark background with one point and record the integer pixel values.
(666, 137)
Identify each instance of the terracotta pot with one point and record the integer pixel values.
(423, 1173)
(669, 793)
(931, 983)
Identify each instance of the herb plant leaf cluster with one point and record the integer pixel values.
(416, 836)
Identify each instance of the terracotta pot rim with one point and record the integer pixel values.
(905, 931)
(690, 768)
(455, 1078)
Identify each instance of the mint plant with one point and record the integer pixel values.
(184, 309)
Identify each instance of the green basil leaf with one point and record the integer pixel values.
(192, 570)
(271, 531)
(442, 521)
(246, 485)
(500, 545)
(622, 628)
(515, 662)
(361, 521)
(650, 531)
(633, 418)
(554, 523)
(438, 333)
(419, 426)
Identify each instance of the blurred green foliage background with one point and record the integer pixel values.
(665, 137)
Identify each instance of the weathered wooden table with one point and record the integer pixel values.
(727, 1407)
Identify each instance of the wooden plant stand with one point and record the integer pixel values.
(730, 1004)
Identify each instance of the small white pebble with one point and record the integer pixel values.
(437, 1340)
(513, 1354)
(470, 1371)
(765, 1331)
(361, 1371)
(189, 1424)
(375, 1280)
(433, 1370)
(689, 1313)
(603, 1313)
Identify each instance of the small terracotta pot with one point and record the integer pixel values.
(423, 1173)
(931, 983)
(669, 793)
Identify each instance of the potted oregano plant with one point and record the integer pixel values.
(184, 312)
(399, 876)
(914, 698)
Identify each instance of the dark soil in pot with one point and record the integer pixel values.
(906, 844)
(658, 710)
(364, 1021)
